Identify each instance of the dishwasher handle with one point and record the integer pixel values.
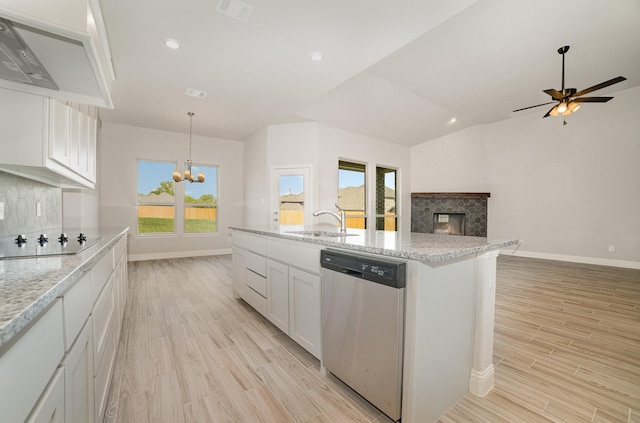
(351, 272)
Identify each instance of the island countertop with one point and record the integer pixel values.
(408, 245)
(29, 285)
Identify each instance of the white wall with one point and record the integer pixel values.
(122, 145)
(567, 191)
(319, 147)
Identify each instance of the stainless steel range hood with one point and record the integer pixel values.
(45, 59)
(18, 63)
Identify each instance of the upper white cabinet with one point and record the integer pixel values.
(48, 140)
(69, 40)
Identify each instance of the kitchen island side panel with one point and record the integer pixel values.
(440, 304)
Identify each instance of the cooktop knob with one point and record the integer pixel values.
(82, 238)
(21, 240)
(42, 239)
(63, 238)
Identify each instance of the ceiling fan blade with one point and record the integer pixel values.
(601, 85)
(549, 112)
(531, 107)
(592, 99)
(555, 94)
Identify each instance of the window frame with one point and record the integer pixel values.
(179, 204)
(138, 203)
(195, 168)
(355, 166)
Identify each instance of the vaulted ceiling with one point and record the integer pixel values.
(399, 71)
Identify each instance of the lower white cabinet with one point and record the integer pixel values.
(78, 377)
(239, 271)
(50, 408)
(304, 310)
(59, 369)
(278, 294)
(289, 297)
(27, 367)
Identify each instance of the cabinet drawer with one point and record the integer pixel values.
(255, 243)
(103, 313)
(100, 273)
(257, 282)
(76, 305)
(256, 301)
(29, 365)
(257, 263)
(295, 254)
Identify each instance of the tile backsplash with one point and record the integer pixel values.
(21, 197)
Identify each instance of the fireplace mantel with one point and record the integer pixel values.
(450, 195)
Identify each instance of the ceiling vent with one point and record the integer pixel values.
(235, 9)
(196, 93)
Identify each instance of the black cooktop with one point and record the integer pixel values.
(44, 245)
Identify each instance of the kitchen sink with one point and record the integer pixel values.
(321, 234)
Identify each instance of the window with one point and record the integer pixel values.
(352, 193)
(386, 216)
(157, 202)
(156, 197)
(201, 202)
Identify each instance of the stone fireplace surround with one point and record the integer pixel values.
(472, 204)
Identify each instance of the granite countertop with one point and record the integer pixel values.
(410, 245)
(29, 285)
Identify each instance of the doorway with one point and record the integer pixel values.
(291, 198)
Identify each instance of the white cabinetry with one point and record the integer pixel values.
(48, 140)
(69, 38)
(304, 310)
(78, 375)
(278, 294)
(29, 365)
(289, 296)
(60, 368)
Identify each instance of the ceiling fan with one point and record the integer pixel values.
(568, 100)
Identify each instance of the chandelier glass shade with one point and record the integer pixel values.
(188, 174)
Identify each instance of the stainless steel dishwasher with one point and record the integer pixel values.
(363, 325)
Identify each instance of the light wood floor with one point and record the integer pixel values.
(567, 349)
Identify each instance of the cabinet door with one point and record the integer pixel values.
(278, 295)
(92, 130)
(304, 308)
(59, 131)
(50, 408)
(75, 129)
(83, 142)
(239, 272)
(78, 378)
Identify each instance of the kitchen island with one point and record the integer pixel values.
(60, 321)
(449, 310)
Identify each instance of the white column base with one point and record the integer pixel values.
(481, 382)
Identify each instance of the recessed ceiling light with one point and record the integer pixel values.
(172, 44)
(452, 120)
(316, 56)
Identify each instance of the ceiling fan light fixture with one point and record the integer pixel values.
(567, 112)
(574, 106)
(554, 111)
(562, 107)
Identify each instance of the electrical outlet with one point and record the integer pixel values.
(1, 210)
(38, 209)
(612, 248)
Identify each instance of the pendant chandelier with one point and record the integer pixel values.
(188, 175)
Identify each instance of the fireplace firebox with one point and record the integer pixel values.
(448, 223)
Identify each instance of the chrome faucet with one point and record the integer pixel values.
(342, 219)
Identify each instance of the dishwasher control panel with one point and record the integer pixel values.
(381, 270)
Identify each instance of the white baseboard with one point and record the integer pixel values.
(573, 259)
(481, 382)
(178, 254)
